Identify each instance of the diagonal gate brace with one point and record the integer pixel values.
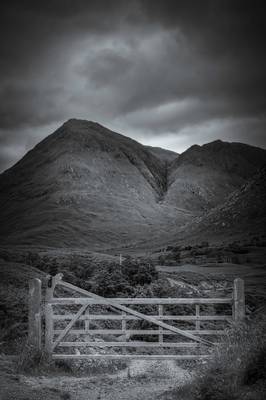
(128, 310)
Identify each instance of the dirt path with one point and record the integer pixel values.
(142, 381)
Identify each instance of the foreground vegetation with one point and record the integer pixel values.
(136, 277)
(237, 370)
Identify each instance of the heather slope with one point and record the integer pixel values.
(243, 214)
(203, 176)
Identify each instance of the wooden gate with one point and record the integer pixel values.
(76, 326)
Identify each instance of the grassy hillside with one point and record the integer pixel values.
(242, 215)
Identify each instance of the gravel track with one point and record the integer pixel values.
(143, 380)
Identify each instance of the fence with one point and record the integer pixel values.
(77, 328)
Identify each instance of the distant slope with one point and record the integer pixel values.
(242, 214)
(203, 176)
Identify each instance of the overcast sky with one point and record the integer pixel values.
(166, 73)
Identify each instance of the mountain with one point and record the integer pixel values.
(203, 176)
(242, 214)
(85, 186)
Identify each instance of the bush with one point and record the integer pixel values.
(120, 280)
(13, 312)
(139, 272)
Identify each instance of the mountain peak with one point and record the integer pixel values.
(77, 135)
(81, 123)
(216, 144)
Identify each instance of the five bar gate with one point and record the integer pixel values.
(68, 323)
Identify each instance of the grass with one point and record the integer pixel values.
(89, 367)
(33, 362)
(237, 370)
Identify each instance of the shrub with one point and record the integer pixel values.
(111, 282)
(120, 280)
(13, 312)
(139, 272)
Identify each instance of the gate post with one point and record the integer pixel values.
(34, 316)
(239, 300)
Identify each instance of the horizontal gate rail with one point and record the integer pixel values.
(104, 317)
(129, 344)
(132, 332)
(131, 356)
(139, 301)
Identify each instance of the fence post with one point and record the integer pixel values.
(34, 317)
(239, 300)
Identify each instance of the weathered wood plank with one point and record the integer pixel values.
(136, 301)
(118, 317)
(160, 310)
(129, 344)
(49, 333)
(34, 316)
(49, 322)
(130, 356)
(86, 318)
(131, 332)
(239, 300)
(197, 317)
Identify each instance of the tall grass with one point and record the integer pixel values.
(38, 362)
(237, 370)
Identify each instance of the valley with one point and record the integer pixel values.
(94, 205)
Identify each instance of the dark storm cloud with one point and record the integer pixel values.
(33, 106)
(38, 42)
(150, 69)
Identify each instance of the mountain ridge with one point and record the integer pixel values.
(203, 176)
